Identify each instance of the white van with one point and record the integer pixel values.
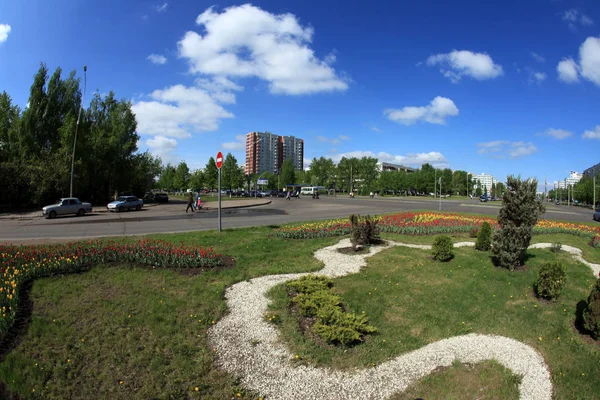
(309, 190)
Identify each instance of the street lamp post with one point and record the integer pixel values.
(76, 128)
(440, 208)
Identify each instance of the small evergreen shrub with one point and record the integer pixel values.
(364, 230)
(551, 279)
(556, 247)
(484, 238)
(474, 232)
(315, 299)
(595, 242)
(442, 248)
(591, 313)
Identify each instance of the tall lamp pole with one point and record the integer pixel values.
(76, 128)
(440, 208)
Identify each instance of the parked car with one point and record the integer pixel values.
(65, 206)
(125, 203)
(597, 215)
(485, 198)
(161, 197)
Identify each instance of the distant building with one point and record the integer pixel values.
(266, 152)
(383, 166)
(486, 181)
(573, 178)
(592, 171)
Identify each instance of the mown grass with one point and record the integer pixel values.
(414, 301)
(147, 328)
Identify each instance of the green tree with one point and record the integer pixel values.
(287, 172)
(167, 178)
(446, 181)
(478, 191)
(197, 179)
(182, 176)
(230, 177)
(517, 217)
(368, 173)
(211, 174)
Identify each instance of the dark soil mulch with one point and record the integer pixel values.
(351, 251)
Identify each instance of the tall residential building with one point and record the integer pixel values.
(486, 181)
(592, 171)
(573, 178)
(266, 152)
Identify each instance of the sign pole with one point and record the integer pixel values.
(219, 162)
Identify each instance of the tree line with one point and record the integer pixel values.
(582, 191)
(36, 145)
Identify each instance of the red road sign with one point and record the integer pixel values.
(219, 160)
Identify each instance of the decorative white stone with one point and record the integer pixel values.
(250, 348)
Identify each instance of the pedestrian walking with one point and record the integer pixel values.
(196, 201)
(288, 195)
(190, 204)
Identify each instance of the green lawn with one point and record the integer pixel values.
(125, 332)
(413, 301)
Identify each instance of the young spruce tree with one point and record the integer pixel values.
(518, 215)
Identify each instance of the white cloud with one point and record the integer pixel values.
(539, 76)
(246, 41)
(333, 141)
(375, 129)
(435, 113)
(588, 66)
(456, 64)
(567, 70)
(307, 162)
(178, 111)
(537, 57)
(163, 147)
(595, 134)
(434, 158)
(161, 8)
(505, 149)
(239, 144)
(4, 31)
(535, 76)
(556, 133)
(157, 59)
(574, 17)
(344, 137)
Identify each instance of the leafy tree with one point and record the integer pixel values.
(167, 178)
(287, 172)
(478, 191)
(182, 176)
(230, 173)
(368, 173)
(211, 174)
(197, 179)
(446, 181)
(500, 189)
(517, 217)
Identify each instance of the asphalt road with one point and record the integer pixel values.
(171, 217)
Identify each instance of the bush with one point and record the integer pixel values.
(442, 248)
(595, 242)
(474, 232)
(591, 313)
(556, 247)
(517, 217)
(484, 238)
(364, 230)
(315, 299)
(551, 279)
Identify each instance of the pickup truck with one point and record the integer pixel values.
(125, 203)
(68, 205)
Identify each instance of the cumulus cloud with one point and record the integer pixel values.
(163, 147)
(239, 144)
(434, 158)
(178, 111)
(505, 149)
(334, 141)
(436, 112)
(4, 31)
(588, 66)
(456, 64)
(246, 41)
(157, 59)
(161, 8)
(567, 70)
(574, 18)
(556, 133)
(595, 134)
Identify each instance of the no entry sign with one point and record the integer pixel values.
(219, 160)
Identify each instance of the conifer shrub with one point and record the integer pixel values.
(364, 231)
(517, 217)
(484, 238)
(591, 313)
(442, 248)
(551, 279)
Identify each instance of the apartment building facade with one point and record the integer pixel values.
(571, 180)
(486, 181)
(266, 152)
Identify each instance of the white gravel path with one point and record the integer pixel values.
(250, 348)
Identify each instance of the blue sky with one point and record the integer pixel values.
(501, 87)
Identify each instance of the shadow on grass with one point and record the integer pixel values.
(528, 257)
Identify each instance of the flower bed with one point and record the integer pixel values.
(19, 264)
(425, 223)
